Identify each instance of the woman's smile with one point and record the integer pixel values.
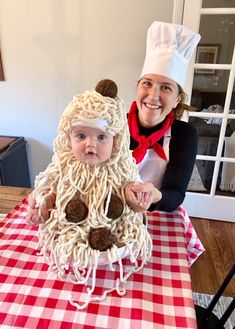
(152, 106)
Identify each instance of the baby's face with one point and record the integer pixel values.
(91, 145)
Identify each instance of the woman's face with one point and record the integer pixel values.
(156, 97)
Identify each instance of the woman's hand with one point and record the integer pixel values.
(36, 215)
(139, 196)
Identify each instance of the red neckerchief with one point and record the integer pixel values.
(150, 141)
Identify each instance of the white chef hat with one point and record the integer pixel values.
(168, 51)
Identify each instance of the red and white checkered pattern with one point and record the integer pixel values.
(159, 296)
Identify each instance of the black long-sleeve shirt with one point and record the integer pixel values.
(182, 154)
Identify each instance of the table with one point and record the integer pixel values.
(11, 196)
(159, 296)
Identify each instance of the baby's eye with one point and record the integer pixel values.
(102, 137)
(80, 136)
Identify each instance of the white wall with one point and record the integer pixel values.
(53, 49)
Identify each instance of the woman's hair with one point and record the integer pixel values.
(182, 106)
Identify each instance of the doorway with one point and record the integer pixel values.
(211, 191)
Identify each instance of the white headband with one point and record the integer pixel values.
(101, 124)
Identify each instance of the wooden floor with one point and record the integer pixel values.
(207, 273)
(210, 269)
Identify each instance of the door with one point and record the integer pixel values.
(211, 191)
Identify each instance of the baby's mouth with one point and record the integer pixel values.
(90, 153)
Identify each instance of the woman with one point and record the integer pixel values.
(164, 147)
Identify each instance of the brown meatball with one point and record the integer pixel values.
(76, 211)
(116, 207)
(101, 238)
(107, 88)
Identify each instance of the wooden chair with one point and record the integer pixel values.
(206, 319)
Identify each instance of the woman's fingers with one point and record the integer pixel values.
(145, 194)
(135, 198)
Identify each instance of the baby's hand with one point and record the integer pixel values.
(37, 215)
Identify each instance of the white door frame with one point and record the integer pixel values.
(210, 205)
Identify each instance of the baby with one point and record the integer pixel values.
(90, 222)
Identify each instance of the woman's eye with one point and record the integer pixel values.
(147, 84)
(166, 88)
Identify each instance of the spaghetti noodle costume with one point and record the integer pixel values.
(65, 244)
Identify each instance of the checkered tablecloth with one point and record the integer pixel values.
(159, 296)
